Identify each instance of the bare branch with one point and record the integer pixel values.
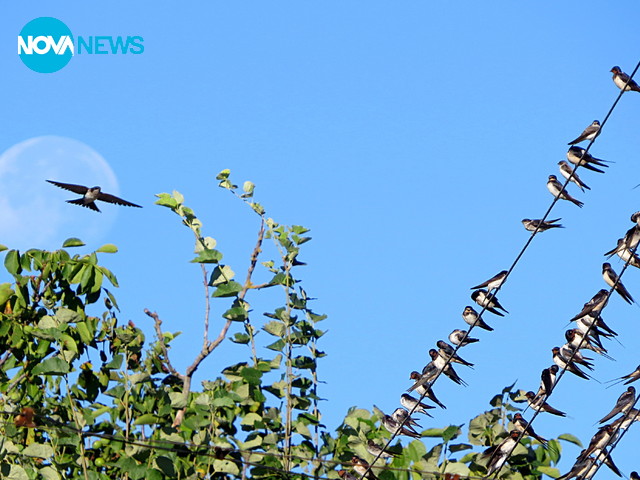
(165, 352)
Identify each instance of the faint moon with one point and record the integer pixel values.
(33, 213)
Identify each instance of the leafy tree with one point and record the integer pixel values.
(85, 395)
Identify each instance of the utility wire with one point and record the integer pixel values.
(492, 295)
(624, 268)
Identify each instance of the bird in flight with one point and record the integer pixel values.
(90, 195)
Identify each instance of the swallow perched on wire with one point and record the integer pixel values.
(539, 405)
(344, 475)
(441, 364)
(577, 339)
(568, 351)
(623, 404)
(481, 297)
(498, 455)
(599, 440)
(547, 380)
(635, 217)
(429, 373)
(402, 416)
(584, 467)
(634, 476)
(411, 403)
(621, 79)
(625, 421)
(447, 351)
(630, 378)
(566, 172)
(564, 363)
(470, 316)
(361, 466)
(426, 392)
(90, 195)
(579, 156)
(611, 278)
(522, 425)
(394, 427)
(376, 450)
(531, 225)
(457, 337)
(555, 188)
(493, 283)
(589, 133)
(596, 304)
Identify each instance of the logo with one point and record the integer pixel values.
(46, 45)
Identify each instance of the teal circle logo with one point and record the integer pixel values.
(45, 45)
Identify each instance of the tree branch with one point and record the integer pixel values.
(165, 352)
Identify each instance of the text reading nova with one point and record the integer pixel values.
(46, 45)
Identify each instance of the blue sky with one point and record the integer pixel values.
(411, 138)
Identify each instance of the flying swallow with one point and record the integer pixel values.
(457, 337)
(493, 283)
(589, 133)
(481, 297)
(377, 451)
(611, 278)
(470, 316)
(498, 456)
(564, 363)
(579, 156)
(624, 403)
(548, 380)
(447, 351)
(596, 304)
(555, 188)
(522, 425)
(531, 225)
(402, 416)
(576, 339)
(361, 466)
(567, 172)
(90, 195)
(541, 406)
(621, 79)
(599, 440)
(395, 427)
(412, 404)
(344, 475)
(424, 392)
(445, 367)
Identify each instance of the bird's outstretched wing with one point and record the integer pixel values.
(79, 189)
(106, 197)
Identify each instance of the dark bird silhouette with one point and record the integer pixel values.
(90, 195)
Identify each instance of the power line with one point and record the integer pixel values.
(492, 295)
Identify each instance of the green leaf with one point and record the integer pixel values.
(458, 447)
(241, 338)
(38, 451)
(275, 328)
(108, 248)
(13, 472)
(567, 437)
(12, 262)
(230, 289)
(550, 471)
(73, 242)
(166, 466)
(3, 248)
(208, 256)
(224, 174)
(146, 419)
(226, 466)
(6, 293)
(49, 473)
(259, 209)
(165, 200)
(64, 315)
(432, 432)
(450, 433)
(221, 274)
(251, 375)
(51, 366)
